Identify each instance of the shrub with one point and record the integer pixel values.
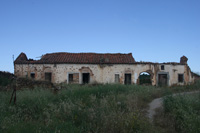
(4, 81)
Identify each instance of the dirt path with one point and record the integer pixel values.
(157, 103)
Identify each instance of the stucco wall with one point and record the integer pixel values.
(104, 73)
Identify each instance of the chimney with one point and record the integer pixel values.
(183, 60)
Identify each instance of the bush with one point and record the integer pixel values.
(5, 78)
(4, 81)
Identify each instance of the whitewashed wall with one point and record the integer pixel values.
(103, 73)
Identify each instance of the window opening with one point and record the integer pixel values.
(73, 78)
(180, 78)
(162, 67)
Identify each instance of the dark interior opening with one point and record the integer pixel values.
(70, 78)
(32, 75)
(86, 78)
(127, 79)
(180, 78)
(48, 77)
(162, 67)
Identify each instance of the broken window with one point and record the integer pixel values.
(127, 79)
(162, 67)
(180, 78)
(32, 75)
(48, 76)
(86, 78)
(116, 78)
(73, 78)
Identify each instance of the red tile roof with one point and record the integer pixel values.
(78, 58)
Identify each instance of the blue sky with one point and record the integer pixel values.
(152, 30)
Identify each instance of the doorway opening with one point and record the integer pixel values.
(32, 75)
(127, 80)
(48, 76)
(86, 78)
(117, 80)
(145, 78)
(162, 79)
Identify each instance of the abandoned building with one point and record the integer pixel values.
(91, 68)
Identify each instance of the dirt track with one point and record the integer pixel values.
(157, 103)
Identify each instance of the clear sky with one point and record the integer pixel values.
(152, 30)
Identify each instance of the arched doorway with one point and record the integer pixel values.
(87, 75)
(145, 78)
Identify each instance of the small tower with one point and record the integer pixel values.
(183, 60)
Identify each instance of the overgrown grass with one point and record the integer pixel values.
(101, 108)
(180, 112)
(76, 108)
(184, 112)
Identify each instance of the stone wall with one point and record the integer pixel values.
(104, 73)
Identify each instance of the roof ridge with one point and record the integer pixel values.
(87, 53)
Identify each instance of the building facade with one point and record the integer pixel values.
(92, 68)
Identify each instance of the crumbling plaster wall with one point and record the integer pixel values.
(173, 71)
(103, 73)
(189, 78)
(24, 70)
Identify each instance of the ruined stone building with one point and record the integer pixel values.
(82, 68)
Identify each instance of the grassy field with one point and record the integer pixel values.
(184, 112)
(83, 108)
(180, 114)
